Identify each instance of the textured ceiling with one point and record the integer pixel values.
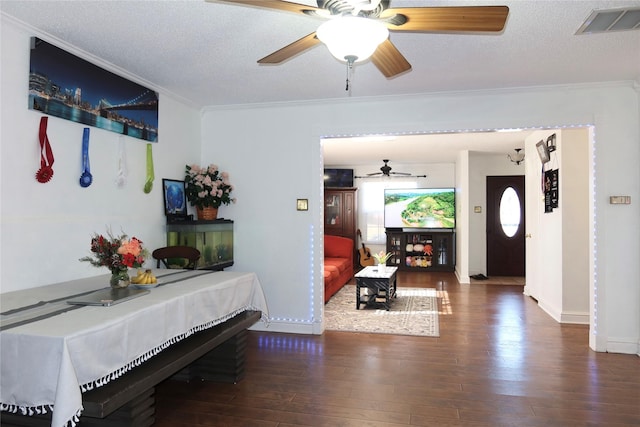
(205, 53)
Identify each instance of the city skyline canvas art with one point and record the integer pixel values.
(66, 86)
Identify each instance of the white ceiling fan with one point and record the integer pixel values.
(354, 24)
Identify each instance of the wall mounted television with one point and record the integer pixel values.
(427, 208)
(338, 178)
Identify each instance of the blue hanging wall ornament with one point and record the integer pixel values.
(86, 178)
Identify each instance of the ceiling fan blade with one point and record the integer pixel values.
(454, 18)
(388, 59)
(291, 50)
(374, 174)
(273, 4)
(400, 173)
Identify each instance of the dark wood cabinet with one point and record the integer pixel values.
(421, 250)
(340, 212)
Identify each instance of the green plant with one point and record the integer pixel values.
(381, 257)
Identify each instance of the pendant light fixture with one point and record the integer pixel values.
(518, 157)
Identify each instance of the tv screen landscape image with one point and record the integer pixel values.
(433, 208)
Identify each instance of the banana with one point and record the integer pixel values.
(138, 277)
(144, 277)
(150, 277)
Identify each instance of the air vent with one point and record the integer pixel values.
(605, 21)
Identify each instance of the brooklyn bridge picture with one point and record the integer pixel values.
(66, 86)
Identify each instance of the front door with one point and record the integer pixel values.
(505, 226)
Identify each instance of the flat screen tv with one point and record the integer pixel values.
(338, 178)
(430, 208)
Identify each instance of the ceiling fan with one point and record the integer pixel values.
(385, 170)
(380, 18)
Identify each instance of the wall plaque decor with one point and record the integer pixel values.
(65, 86)
(551, 195)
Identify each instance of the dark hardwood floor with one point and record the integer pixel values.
(499, 361)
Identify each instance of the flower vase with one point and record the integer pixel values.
(119, 279)
(382, 268)
(207, 213)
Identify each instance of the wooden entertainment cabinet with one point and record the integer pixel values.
(421, 250)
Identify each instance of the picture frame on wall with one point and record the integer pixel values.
(66, 86)
(543, 151)
(175, 199)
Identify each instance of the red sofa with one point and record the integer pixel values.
(338, 264)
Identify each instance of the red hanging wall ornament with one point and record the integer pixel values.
(45, 172)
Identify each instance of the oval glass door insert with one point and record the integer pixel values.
(510, 215)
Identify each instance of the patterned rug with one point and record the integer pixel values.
(413, 312)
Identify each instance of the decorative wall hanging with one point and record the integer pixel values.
(65, 86)
(45, 172)
(86, 178)
(122, 172)
(148, 185)
(551, 196)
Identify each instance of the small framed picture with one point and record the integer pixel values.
(175, 200)
(543, 152)
(303, 205)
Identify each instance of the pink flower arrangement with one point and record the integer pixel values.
(207, 187)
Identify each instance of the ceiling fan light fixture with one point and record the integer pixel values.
(348, 37)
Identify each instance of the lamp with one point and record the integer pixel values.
(352, 38)
(518, 157)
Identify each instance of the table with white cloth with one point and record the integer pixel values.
(53, 352)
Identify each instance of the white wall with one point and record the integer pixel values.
(463, 219)
(271, 233)
(46, 228)
(559, 244)
(573, 151)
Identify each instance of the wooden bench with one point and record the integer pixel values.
(216, 354)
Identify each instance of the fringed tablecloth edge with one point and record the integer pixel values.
(150, 353)
(39, 410)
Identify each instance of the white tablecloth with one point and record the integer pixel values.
(46, 364)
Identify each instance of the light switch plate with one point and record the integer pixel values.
(302, 204)
(620, 200)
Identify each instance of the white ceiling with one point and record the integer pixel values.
(205, 53)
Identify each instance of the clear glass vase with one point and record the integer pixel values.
(119, 279)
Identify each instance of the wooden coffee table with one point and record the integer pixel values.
(379, 284)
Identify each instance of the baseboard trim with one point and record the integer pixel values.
(623, 345)
(575, 317)
(286, 327)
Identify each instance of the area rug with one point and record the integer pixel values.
(413, 312)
